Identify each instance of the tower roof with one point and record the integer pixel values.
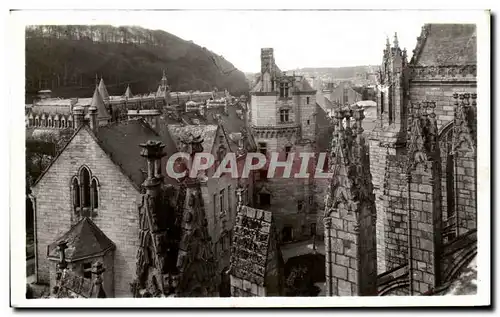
(84, 239)
(128, 92)
(97, 102)
(102, 90)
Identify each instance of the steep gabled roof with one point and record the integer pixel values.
(446, 45)
(84, 240)
(121, 142)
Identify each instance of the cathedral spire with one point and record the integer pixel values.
(396, 42)
(387, 44)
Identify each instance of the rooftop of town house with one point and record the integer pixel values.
(84, 240)
(207, 132)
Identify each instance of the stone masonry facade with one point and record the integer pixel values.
(117, 215)
(422, 156)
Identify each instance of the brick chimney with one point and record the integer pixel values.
(78, 116)
(93, 118)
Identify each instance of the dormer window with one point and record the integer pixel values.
(85, 192)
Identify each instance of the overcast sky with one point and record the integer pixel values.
(299, 38)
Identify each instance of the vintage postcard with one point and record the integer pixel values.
(243, 158)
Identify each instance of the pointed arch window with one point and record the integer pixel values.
(85, 187)
(75, 188)
(37, 122)
(94, 193)
(85, 193)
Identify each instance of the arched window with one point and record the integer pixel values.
(85, 187)
(30, 123)
(50, 123)
(76, 192)
(63, 123)
(95, 193)
(36, 122)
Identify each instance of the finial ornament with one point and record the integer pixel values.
(396, 42)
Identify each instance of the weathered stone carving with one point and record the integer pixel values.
(443, 72)
(463, 133)
(422, 136)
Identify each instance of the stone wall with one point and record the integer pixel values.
(425, 223)
(442, 94)
(395, 204)
(117, 216)
(244, 288)
(263, 109)
(307, 115)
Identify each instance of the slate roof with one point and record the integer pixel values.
(231, 121)
(121, 142)
(84, 239)
(303, 85)
(208, 133)
(97, 101)
(251, 243)
(447, 44)
(103, 91)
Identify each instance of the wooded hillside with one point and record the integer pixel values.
(67, 58)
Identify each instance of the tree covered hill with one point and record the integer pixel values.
(67, 58)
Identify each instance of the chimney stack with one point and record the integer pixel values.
(153, 152)
(93, 118)
(78, 116)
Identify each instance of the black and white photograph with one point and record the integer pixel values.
(209, 157)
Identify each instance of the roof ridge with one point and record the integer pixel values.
(57, 156)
